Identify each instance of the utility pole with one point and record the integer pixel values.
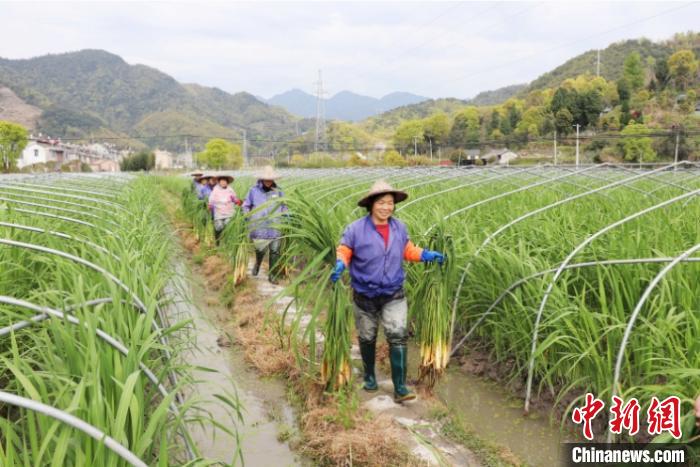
(320, 141)
(577, 129)
(187, 153)
(597, 68)
(555, 147)
(245, 147)
(678, 139)
(415, 146)
(430, 141)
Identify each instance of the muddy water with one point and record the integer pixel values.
(266, 415)
(495, 416)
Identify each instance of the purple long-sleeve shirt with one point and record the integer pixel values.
(375, 269)
(257, 196)
(203, 191)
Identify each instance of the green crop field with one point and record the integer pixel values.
(85, 349)
(582, 279)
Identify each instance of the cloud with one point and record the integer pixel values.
(430, 48)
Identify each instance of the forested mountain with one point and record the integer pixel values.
(611, 61)
(93, 93)
(344, 105)
(642, 84)
(96, 93)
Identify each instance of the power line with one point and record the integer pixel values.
(510, 139)
(320, 141)
(432, 39)
(583, 39)
(429, 22)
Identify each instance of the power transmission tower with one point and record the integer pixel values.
(320, 141)
(245, 147)
(577, 136)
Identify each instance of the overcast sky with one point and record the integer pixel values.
(435, 49)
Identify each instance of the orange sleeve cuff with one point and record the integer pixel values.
(412, 252)
(344, 253)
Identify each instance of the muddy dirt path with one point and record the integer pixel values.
(267, 417)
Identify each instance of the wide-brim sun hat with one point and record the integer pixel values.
(226, 176)
(381, 187)
(268, 173)
(196, 174)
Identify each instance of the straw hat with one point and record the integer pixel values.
(219, 175)
(195, 174)
(268, 173)
(381, 187)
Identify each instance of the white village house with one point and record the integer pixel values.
(500, 156)
(44, 150)
(41, 151)
(166, 160)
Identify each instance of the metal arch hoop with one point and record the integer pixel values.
(65, 195)
(637, 309)
(60, 235)
(439, 179)
(113, 342)
(59, 202)
(409, 176)
(42, 316)
(519, 282)
(525, 216)
(55, 216)
(508, 193)
(56, 208)
(465, 185)
(75, 422)
(566, 261)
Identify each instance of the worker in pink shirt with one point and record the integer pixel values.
(222, 203)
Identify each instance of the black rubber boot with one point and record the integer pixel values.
(398, 357)
(273, 276)
(368, 352)
(259, 255)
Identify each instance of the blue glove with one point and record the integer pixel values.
(428, 256)
(339, 268)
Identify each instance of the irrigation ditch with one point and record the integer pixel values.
(150, 347)
(431, 431)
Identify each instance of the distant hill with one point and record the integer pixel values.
(612, 59)
(295, 101)
(94, 93)
(385, 124)
(345, 105)
(497, 96)
(611, 65)
(14, 109)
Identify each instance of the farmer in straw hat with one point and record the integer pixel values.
(195, 179)
(264, 236)
(374, 248)
(203, 188)
(221, 204)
